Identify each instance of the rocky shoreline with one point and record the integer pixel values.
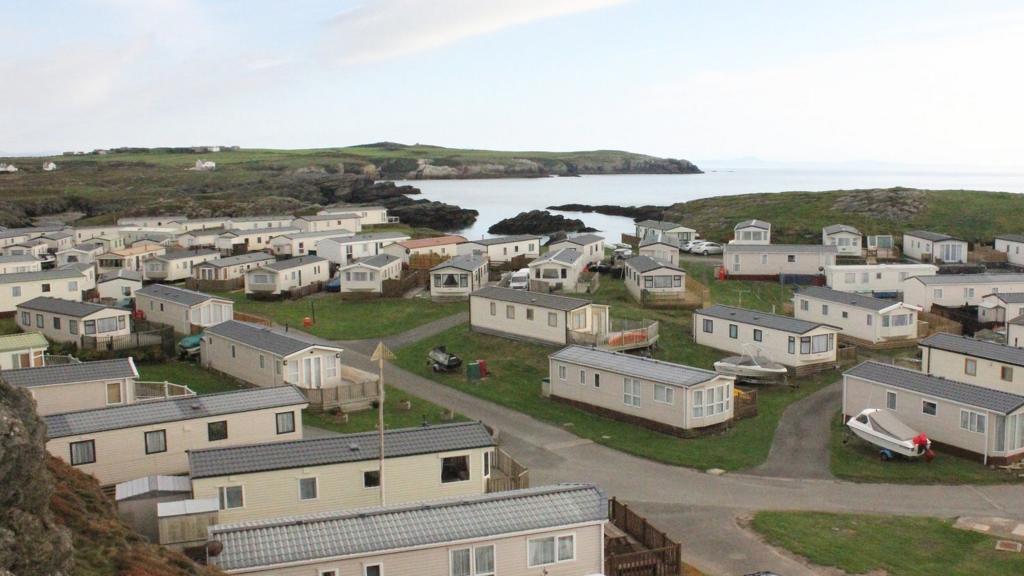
(538, 222)
(646, 212)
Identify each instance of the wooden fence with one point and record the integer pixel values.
(162, 336)
(513, 475)
(661, 556)
(744, 404)
(516, 263)
(251, 318)
(942, 317)
(350, 397)
(425, 261)
(396, 288)
(215, 285)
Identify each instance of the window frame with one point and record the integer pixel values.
(555, 539)
(277, 421)
(209, 430)
(895, 400)
(469, 469)
(92, 451)
(924, 406)
(145, 441)
(316, 488)
(120, 394)
(222, 498)
(669, 394)
(370, 473)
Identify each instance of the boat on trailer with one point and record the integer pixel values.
(881, 428)
(752, 366)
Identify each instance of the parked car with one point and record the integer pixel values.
(188, 347)
(706, 248)
(622, 253)
(520, 279)
(334, 284)
(688, 245)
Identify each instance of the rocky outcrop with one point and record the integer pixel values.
(538, 222)
(32, 541)
(434, 215)
(646, 212)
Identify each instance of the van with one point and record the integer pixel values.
(520, 279)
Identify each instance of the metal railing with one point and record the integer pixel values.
(622, 335)
(147, 390)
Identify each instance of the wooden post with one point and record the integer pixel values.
(380, 354)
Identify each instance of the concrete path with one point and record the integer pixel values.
(800, 447)
(409, 336)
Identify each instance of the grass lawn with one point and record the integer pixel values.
(204, 381)
(895, 546)
(764, 296)
(8, 326)
(518, 367)
(338, 319)
(858, 460)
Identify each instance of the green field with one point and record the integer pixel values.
(896, 546)
(858, 461)
(8, 326)
(338, 319)
(798, 217)
(203, 381)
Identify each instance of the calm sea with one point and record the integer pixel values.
(501, 198)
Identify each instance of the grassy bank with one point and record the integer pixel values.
(8, 326)
(204, 381)
(858, 460)
(338, 319)
(800, 216)
(889, 545)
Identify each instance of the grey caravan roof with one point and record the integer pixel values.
(961, 392)
(763, 319)
(634, 366)
(539, 299)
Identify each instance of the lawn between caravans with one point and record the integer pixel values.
(897, 546)
(204, 381)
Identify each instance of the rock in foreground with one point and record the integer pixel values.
(538, 222)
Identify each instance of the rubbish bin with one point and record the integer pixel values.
(473, 371)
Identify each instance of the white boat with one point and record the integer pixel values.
(753, 365)
(884, 430)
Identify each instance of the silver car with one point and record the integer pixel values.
(706, 248)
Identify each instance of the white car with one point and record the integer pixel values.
(706, 248)
(520, 279)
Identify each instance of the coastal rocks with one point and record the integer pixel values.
(434, 215)
(612, 163)
(538, 222)
(894, 204)
(646, 212)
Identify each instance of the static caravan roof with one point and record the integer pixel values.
(57, 374)
(837, 228)
(177, 295)
(299, 539)
(65, 307)
(378, 261)
(369, 237)
(22, 341)
(653, 242)
(173, 410)
(931, 236)
(186, 254)
(645, 264)
(431, 242)
(294, 263)
(848, 298)
(539, 299)
(499, 240)
(120, 274)
(763, 319)
(337, 449)
(262, 338)
(753, 224)
(960, 392)
(782, 248)
(581, 239)
(941, 279)
(635, 366)
(55, 274)
(17, 258)
(977, 348)
(261, 218)
(247, 258)
(277, 231)
(1008, 297)
(316, 234)
(332, 216)
(563, 256)
(1011, 237)
(467, 262)
(660, 224)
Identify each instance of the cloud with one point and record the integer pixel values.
(385, 29)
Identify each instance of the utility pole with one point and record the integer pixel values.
(380, 354)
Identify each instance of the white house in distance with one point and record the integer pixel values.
(20, 263)
(133, 258)
(985, 423)
(667, 397)
(216, 222)
(534, 316)
(262, 222)
(119, 286)
(864, 319)
(799, 344)
(70, 322)
(664, 231)
(847, 239)
(169, 220)
(22, 351)
(342, 250)
(503, 248)
(200, 237)
(660, 250)
(442, 246)
(925, 246)
(369, 274)
(242, 240)
(266, 358)
(59, 283)
(874, 278)
(182, 309)
(556, 530)
(1013, 246)
(558, 270)
(35, 247)
(458, 277)
(231, 267)
(772, 260)
(369, 215)
(176, 266)
(752, 232)
(286, 275)
(956, 290)
(980, 362)
(60, 388)
(323, 222)
(1000, 308)
(645, 274)
(57, 241)
(590, 247)
(85, 253)
(302, 243)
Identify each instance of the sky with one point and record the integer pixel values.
(927, 82)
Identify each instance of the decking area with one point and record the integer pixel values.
(633, 547)
(621, 335)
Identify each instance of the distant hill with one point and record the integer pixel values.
(798, 217)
